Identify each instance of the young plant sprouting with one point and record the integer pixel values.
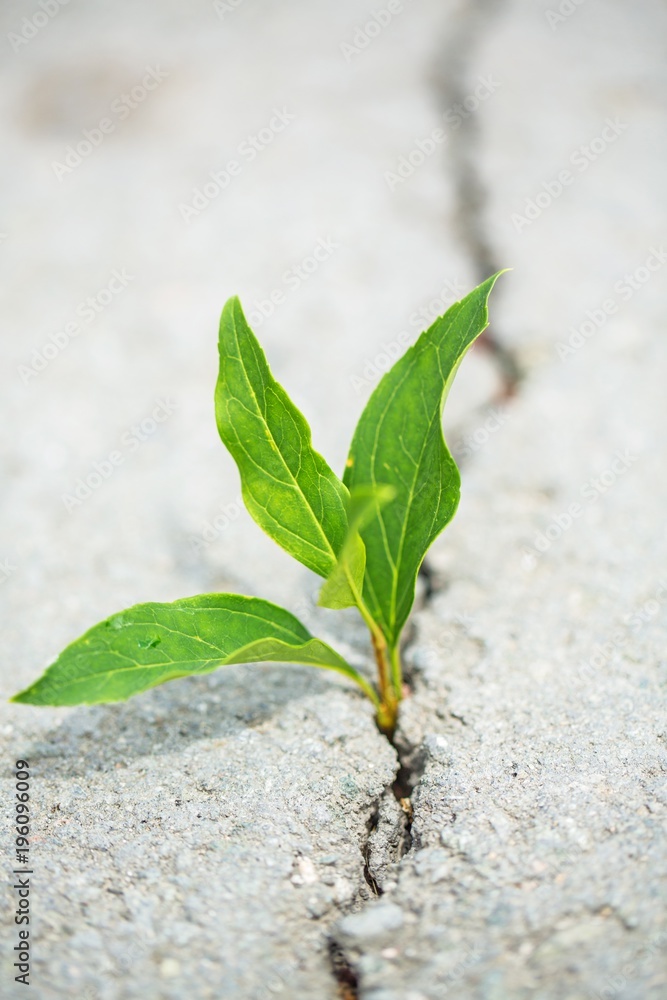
(366, 534)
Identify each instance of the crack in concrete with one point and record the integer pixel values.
(471, 196)
(388, 840)
(450, 77)
(345, 976)
(366, 851)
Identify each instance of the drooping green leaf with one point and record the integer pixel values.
(152, 643)
(345, 585)
(399, 442)
(287, 486)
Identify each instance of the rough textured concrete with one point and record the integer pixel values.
(562, 82)
(249, 786)
(209, 851)
(213, 837)
(538, 865)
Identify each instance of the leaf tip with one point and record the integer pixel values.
(494, 277)
(232, 302)
(23, 697)
(231, 310)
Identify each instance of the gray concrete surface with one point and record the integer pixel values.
(217, 836)
(538, 864)
(209, 850)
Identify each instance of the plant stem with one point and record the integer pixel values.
(389, 676)
(397, 672)
(387, 712)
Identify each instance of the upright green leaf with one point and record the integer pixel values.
(346, 583)
(287, 486)
(152, 643)
(399, 442)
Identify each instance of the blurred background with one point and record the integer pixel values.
(348, 170)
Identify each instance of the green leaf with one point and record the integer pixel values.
(152, 643)
(287, 486)
(345, 585)
(399, 442)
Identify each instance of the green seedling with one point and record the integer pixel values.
(366, 534)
